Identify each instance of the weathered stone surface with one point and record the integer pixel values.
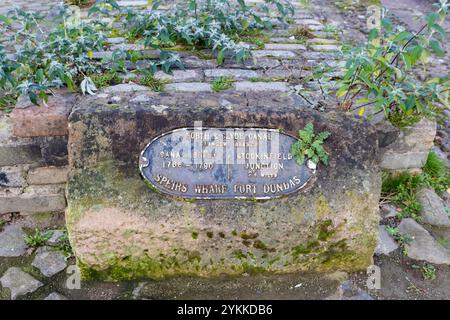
(55, 296)
(12, 243)
(50, 119)
(54, 150)
(180, 76)
(12, 176)
(189, 87)
(19, 282)
(261, 86)
(388, 211)
(48, 175)
(422, 245)
(385, 242)
(120, 228)
(325, 47)
(433, 209)
(237, 74)
(55, 238)
(273, 53)
(49, 262)
(125, 87)
(410, 149)
(33, 199)
(284, 46)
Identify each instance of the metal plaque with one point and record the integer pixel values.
(223, 163)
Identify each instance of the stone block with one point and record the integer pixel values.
(32, 199)
(47, 175)
(50, 119)
(410, 148)
(54, 150)
(13, 177)
(122, 229)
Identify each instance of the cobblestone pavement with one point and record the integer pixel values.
(40, 5)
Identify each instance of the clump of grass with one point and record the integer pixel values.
(302, 33)
(38, 238)
(435, 174)
(153, 83)
(108, 78)
(64, 245)
(401, 120)
(80, 3)
(221, 84)
(401, 190)
(428, 271)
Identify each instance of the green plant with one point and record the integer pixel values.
(381, 73)
(310, 146)
(38, 238)
(401, 188)
(428, 271)
(64, 245)
(46, 60)
(302, 33)
(150, 81)
(7, 102)
(105, 79)
(221, 84)
(402, 239)
(435, 174)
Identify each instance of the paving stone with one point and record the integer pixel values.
(307, 22)
(287, 73)
(33, 199)
(55, 238)
(284, 46)
(12, 243)
(12, 176)
(55, 296)
(19, 282)
(116, 40)
(237, 74)
(273, 53)
(411, 147)
(422, 245)
(189, 87)
(322, 41)
(388, 211)
(48, 175)
(50, 119)
(196, 62)
(180, 76)
(386, 244)
(49, 262)
(433, 209)
(125, 87)
(325, 47)
(261, 86)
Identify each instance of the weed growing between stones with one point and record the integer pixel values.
(153, 83)
(381, 73)
(401, 188)
(309, 146)
(221, 84)
(108, 78)
(428, 271)
(38, 238)
(7, 102)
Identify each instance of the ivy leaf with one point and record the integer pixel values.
(88, 86)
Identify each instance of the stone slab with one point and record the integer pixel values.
(50, 119)
(19, 282)
(47, 175)
(409, 150)
(122, 229)
(33, 199)
(12, 243)
(49, 261)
